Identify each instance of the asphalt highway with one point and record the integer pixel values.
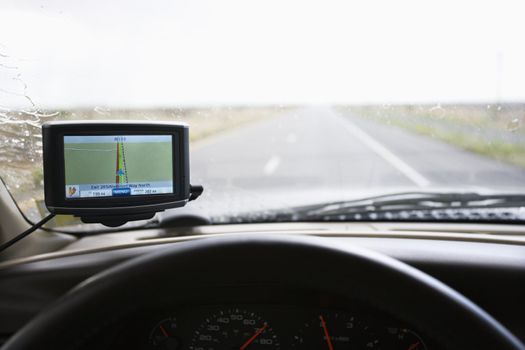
(319, 154)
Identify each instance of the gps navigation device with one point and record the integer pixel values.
(113, 172)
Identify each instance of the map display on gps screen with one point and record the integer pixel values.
(118, 165)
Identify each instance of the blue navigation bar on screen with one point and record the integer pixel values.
(122, 191)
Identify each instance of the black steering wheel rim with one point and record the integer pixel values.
(298, 261)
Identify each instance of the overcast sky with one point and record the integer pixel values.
(167, 52)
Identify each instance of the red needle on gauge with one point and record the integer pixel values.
(414, 346)
(328, 339)
(249, 341)
(164, 332)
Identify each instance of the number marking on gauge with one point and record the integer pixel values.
(234, 329)
(249, 341)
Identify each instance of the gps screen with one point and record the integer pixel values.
(118, 165)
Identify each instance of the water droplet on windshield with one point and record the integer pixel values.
(514, 125)
(102, 110)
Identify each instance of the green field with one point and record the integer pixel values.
(95, 163)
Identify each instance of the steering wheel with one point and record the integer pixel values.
(289, 261)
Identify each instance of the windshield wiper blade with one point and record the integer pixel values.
(417, 206)
(423, 200)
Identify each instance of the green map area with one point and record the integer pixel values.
(101, 163)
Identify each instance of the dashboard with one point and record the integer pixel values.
(268, 326)
(489, 272)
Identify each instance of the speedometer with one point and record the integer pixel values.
(234, 329)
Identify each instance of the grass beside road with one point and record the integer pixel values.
(497, 149)
(497, 132)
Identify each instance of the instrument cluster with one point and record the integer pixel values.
(262, 327)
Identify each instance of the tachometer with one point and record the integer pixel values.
(234, 329)
(334, 330)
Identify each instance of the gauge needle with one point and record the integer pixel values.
(328, 339)
(249, 341)
(414, 346)
(164, 332)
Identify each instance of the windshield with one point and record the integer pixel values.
(290, 103)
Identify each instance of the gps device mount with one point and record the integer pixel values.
(114, 220)
(112, 172)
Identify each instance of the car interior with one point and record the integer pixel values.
(203, 175)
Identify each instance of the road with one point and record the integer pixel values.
(318, 154)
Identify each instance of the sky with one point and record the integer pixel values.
(163, 53)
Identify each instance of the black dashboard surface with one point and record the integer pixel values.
(490, 274)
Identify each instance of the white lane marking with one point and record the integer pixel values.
(390, 157)
(271, 165)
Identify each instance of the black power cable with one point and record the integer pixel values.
(27, 232)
